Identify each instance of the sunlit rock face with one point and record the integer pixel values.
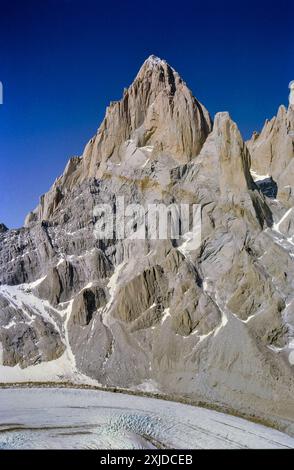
(291, 95)
(272, 151)
(215, 322)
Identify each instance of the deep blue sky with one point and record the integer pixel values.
(61, 62)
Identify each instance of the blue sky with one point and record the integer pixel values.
(62, 62)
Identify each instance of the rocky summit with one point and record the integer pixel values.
(212, 323)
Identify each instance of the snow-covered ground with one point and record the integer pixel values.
(72, 418)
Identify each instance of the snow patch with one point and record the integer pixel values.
(34, 284)
(258, 177)
(113, 282)
(276, 226)
(144, 164)
(166, 314)
(148, 386)
(224, 319)
(23, 299)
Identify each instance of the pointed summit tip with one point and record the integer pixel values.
(156, 64)
(154, 60)
(3, 228)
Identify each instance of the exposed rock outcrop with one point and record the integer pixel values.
(3, 228)
(273, 151)
(214, 321)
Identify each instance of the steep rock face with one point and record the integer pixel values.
(26, 337)
(221, 173)
(214, 321)
(158, 115)
(273, 151)
(3, 228)
(234, 157)
(86, 303)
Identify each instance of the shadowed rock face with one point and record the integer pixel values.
(3, 228)
(214, 323)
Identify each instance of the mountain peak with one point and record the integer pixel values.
(3, 228)
(156, 62)
(272, 150)
(159, 68)
(157, 116)
(153, 60)
(157, 110)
